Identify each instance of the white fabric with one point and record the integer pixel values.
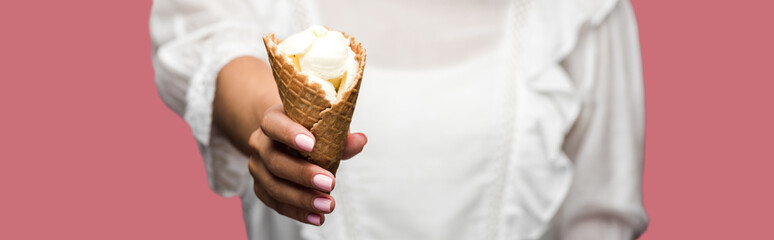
(486, 119)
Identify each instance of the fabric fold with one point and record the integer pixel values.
(540, 174)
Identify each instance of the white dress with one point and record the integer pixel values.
(486, 119)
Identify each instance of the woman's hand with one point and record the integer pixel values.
(284, 182)
(248, 109)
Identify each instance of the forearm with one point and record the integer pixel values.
(245, 88)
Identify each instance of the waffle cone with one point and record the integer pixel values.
(305, 103)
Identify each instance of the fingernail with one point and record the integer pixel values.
(313, 219)
(304, 142)
(323, 182)
(322, 204)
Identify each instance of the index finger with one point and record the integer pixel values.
(279, 127)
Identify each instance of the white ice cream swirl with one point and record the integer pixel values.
(325, 56)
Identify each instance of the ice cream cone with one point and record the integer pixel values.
(305, 103)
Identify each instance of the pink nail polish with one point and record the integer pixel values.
(364, 137)
(313, 219)
(322, 204)
(304, 142)
(323, 182)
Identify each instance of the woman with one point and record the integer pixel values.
(486, 119)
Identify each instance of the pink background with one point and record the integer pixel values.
(90, 151)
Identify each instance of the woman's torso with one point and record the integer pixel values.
(431, 103)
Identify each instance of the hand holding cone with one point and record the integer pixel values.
(304, 102)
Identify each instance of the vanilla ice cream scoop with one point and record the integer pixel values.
(327, 57)
(324, 56)
(327, 87)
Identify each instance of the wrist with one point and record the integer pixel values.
(245, 89)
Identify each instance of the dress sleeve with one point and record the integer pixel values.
(192, 40)
(605, 144)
